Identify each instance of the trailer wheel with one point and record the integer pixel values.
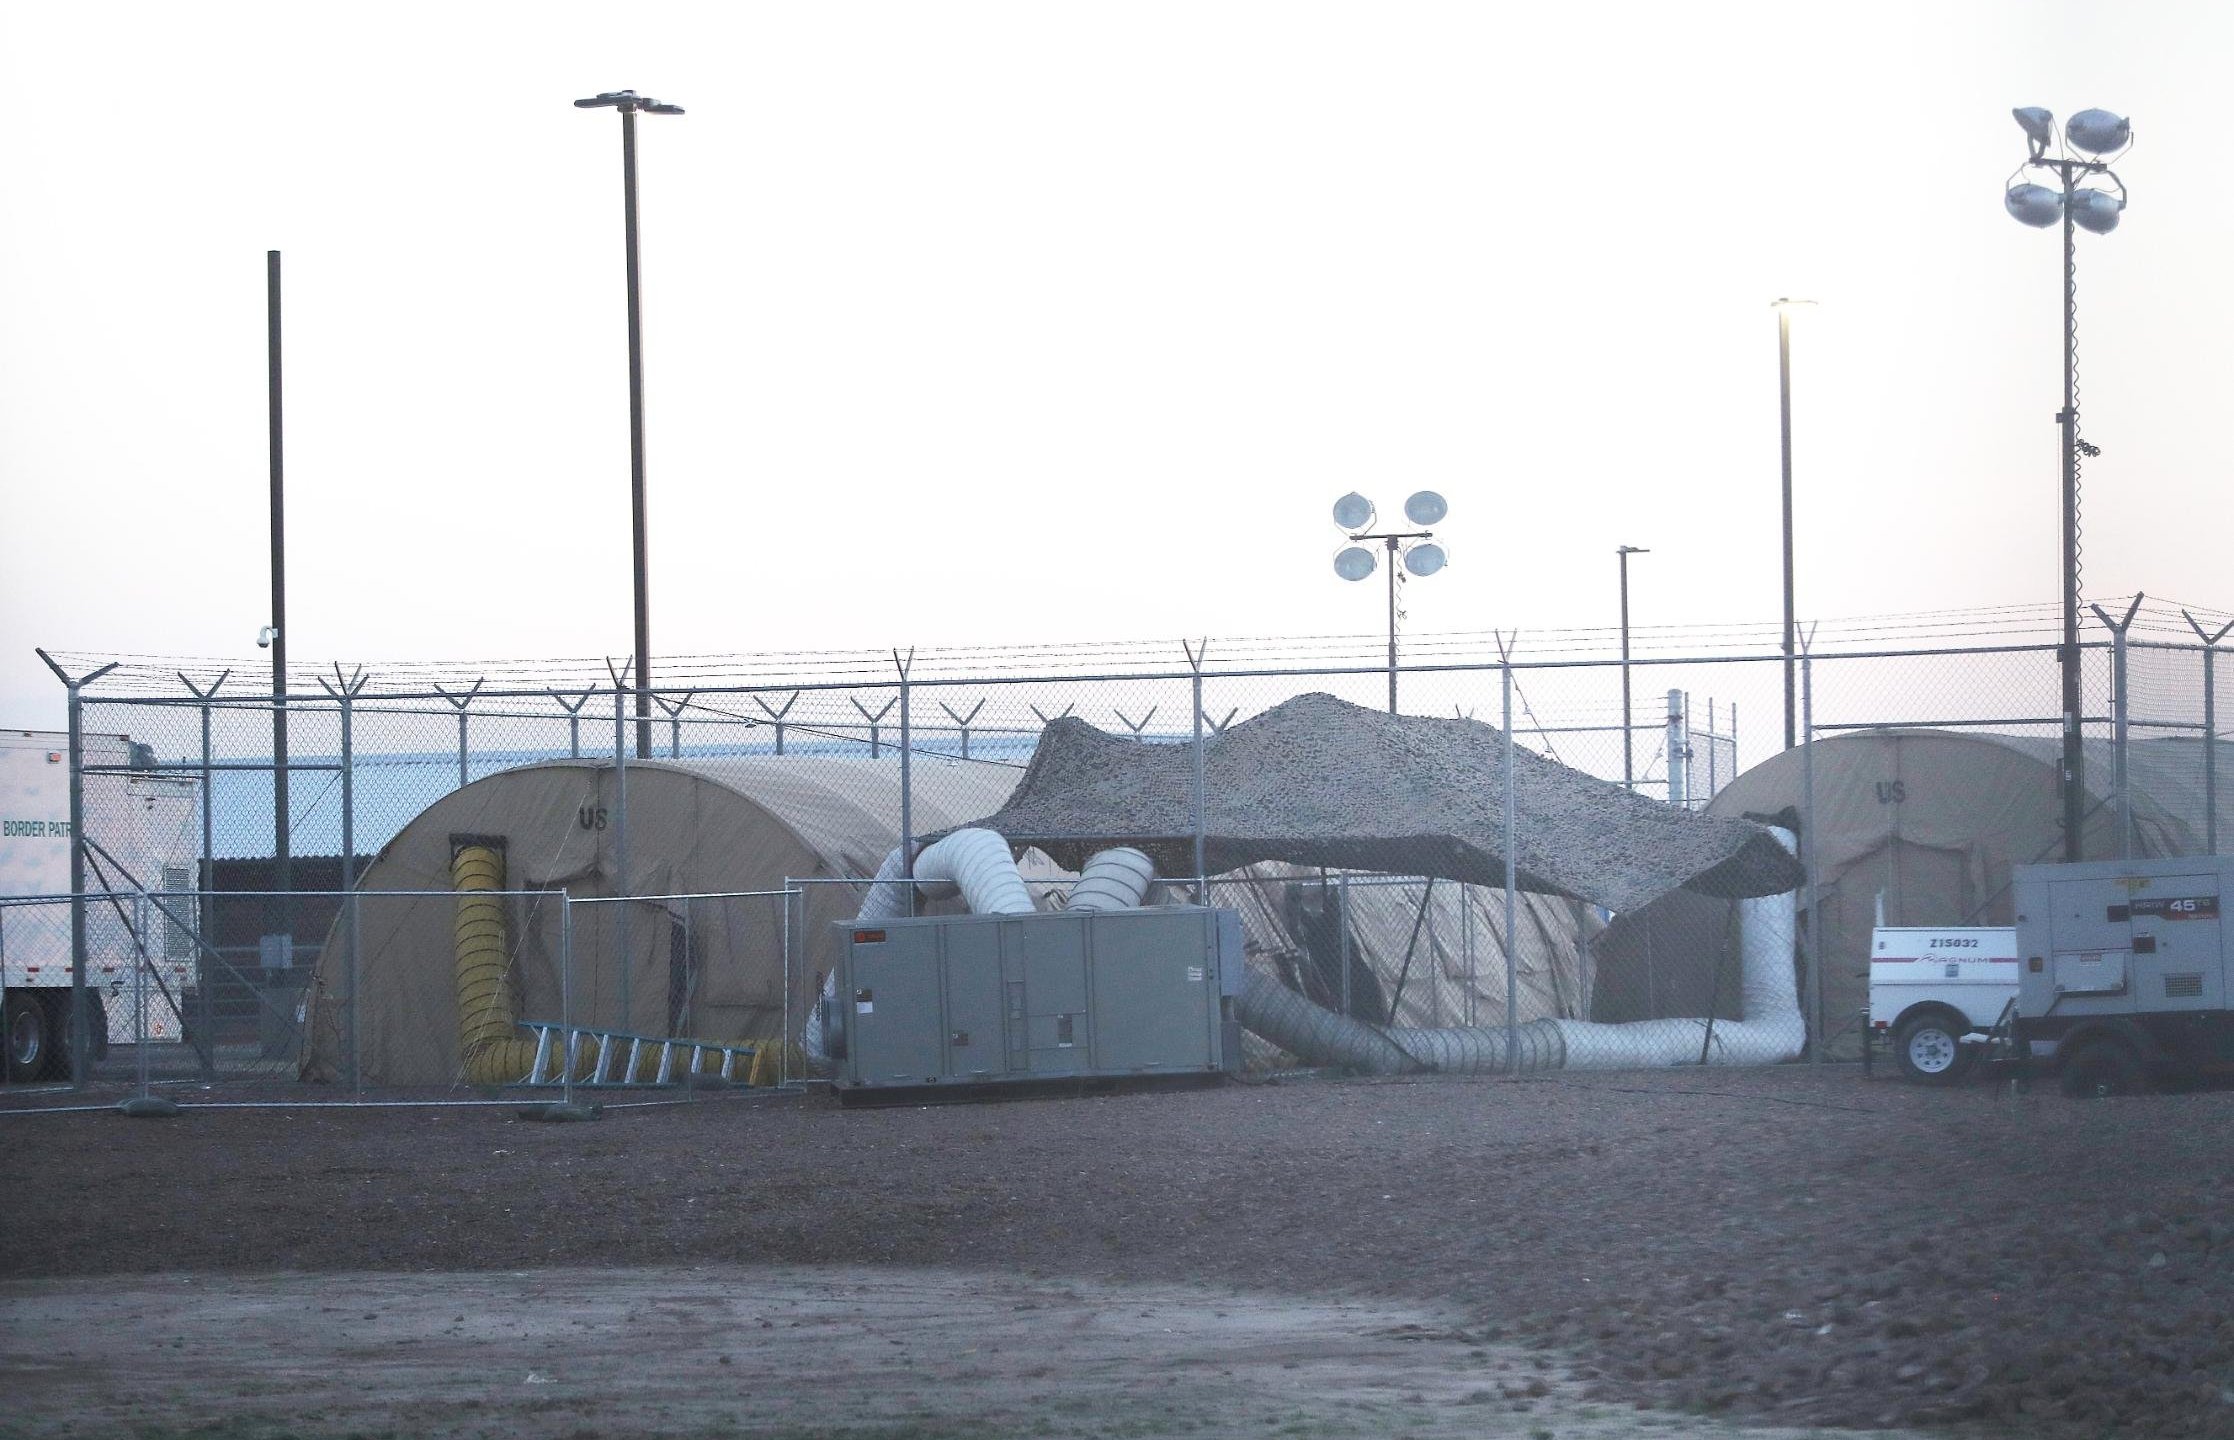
(96, 1025)
(2102, 1069)
(1929, 1048)
(29, 1035)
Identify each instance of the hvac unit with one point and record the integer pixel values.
(986, 1000)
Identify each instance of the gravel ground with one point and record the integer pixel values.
(1793, 1246)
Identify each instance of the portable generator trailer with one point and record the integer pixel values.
(964, 1006)
(1940, 997)
(2123, 983)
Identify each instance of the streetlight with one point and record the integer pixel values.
(628, 102)
(1354, 514)
(2100, 134)
(1784, 308)
(1628, 750)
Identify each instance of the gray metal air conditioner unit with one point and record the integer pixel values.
(956, 1001)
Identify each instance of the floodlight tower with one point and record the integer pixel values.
(1423, 557)
(628, 102)
(2105, 137)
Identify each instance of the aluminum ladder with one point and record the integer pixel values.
(618, 1057)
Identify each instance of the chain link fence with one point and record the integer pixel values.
(279, 880)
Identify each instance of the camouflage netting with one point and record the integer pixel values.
(1319, 781)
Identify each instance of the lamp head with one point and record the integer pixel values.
(2039, 127)
(2034, 205)
(2096, 210)
(628, 100)
(1355, 562)
(1425, 558)
(2098, 132)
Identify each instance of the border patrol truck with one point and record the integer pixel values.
(148, 823)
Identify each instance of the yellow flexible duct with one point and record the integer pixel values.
(490, 1052)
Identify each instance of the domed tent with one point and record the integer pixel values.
(711, 969)
(1932, 820)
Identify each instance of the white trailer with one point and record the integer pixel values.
(1930, 987)
(148, 822)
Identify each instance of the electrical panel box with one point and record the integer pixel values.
(954, 1000)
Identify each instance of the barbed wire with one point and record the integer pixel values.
(140, 673)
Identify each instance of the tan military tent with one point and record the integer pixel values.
(1932, 821)
(708, 968)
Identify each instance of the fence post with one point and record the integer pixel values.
(573, 721)
(1195, 655)
(206, 901)
(2118, 715)
(2210, 727)
(1679, 749)
(81, 1030)
(1512, 868)
(461, 702)
(907, 773)
(345, 692)
(566, 993)
(1342, 904)
(621, 925)
(775, 715)
(139, 985)
(1814, 948)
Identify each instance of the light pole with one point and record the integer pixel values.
(628, 102)
(2098, 133)
(1784, 308)
(1628, 749)
(1354, 513)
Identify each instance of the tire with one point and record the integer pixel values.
(1929, 1048)
(27, 1031)
(2103, 1069)
(97, 1029)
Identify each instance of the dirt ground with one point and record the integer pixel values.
(1792, 1248)
(787, 1350)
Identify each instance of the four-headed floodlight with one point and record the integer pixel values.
(628, 100)
(1422, 557)
(2096, 133)
(1412, 552)
(2087, 195)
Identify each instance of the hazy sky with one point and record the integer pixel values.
(975, 322)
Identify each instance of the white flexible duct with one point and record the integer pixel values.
(978, 862)
(888, 893)
(1768, 997)
(1772, 1030)
(1316, 1034)
(1113, 880)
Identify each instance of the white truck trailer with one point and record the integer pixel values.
(148, 822)
(1929, 987)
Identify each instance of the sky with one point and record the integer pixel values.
(974, 323)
